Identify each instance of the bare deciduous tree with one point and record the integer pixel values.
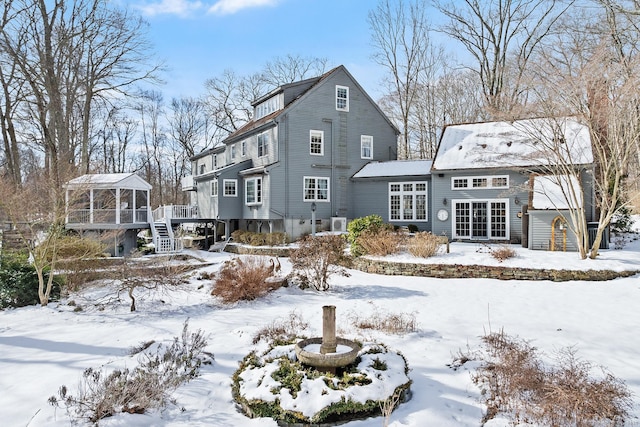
(187, 125)
(292, 68)
(590, 69)
(74, 54)
(151, 109)
(402, 46)
(501, 36)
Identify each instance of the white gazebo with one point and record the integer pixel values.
(107, 201)
(112, 207)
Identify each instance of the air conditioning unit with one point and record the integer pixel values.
(338, 223)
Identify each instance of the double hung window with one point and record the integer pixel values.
(366, 147)
(342, 98)
(316, 142)
(263, 144)
(316, 189)
(230, 187)
(253, 191)
(214, 188)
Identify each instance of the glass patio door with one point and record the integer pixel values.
(479, 220)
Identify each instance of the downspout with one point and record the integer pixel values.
(285, 125)
(331, 188)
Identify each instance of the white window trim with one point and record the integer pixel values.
(232, 150)
(364, 139)
(235, 187)
(313, 133)
(258, 193)
(315, 198)
(414, 193)
(346, 108)
(214, 187)
(243, 148)
(265, 150)
(469, 180)
(488, 201)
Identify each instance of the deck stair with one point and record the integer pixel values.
(163, 238)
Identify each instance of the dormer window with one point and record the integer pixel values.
(267, 107)
(342, 98)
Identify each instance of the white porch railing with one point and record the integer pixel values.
(175, 212)
(167, 244)
(106, 216)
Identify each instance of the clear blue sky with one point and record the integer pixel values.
(199, 39)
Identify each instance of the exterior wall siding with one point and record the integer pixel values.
(211, 207)
(540, 231)
(341, 155)
(372, 198)
(441, 190)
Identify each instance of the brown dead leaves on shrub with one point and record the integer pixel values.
(244, 279)
(381, 242)
(515, 383)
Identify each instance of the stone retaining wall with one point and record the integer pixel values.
(257, 250)
(458, 271)
(449, 271)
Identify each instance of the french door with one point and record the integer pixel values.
(481, 219)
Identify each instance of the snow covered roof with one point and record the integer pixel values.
(109, 180)
(554, 192)
(395, 168)
(522, 143)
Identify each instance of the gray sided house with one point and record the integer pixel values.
(399, 191)
(504, 181)
(306, 141)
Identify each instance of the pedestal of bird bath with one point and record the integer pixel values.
(333, 352)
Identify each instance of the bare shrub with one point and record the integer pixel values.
(381, 242)
(79, 248)
(129, 278)
(388, 405)
(316, 259)
(148, 386)
(573, 394)
(259, 239)
(244, 279)
(282, 331)
(503, 253)
(390, 323)
(424, 244)
(515, 383)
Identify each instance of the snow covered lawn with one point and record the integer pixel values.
(44, 348)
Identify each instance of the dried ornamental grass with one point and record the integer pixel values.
(424, 244)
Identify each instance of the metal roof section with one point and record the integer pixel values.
(395, 168)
